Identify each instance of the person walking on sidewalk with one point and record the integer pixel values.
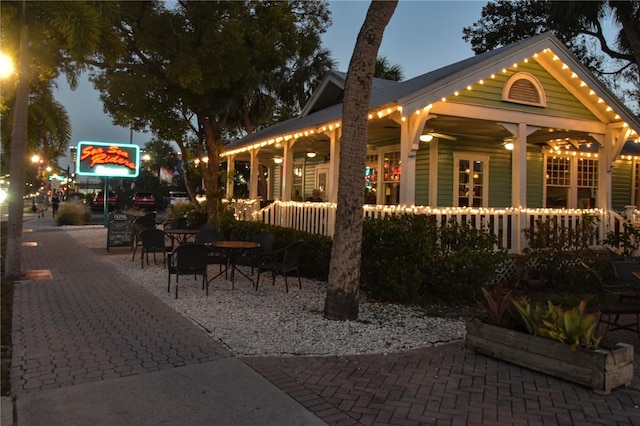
(55, 203)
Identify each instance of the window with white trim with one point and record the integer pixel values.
(571, 182)
(470, 180)
(587, 182)
(558, 181)
(391, 177)
(298, 181)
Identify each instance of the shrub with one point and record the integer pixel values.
(625, 241)
(316, 250)
(498, 307)
(412, 259)
(73, 214)
(555, 251)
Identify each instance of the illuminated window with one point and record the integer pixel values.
(558, 181)
(587, 182)
(563, 190)
(391, 177)
(371, 179)
(298, 182)
(470, 180)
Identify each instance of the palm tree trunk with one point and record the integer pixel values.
(341, 302)
(17, 167)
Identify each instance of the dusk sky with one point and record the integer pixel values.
(422, 36)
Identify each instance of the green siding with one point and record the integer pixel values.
(445, 173)
(422, 175)
(535, 177)
(499, 176)
(560, 102)
(621, 184)
(274, 182)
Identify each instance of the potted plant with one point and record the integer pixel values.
(550, 340)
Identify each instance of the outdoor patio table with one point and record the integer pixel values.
(181, 235)
(232, 248)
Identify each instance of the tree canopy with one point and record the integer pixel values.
(49, 38)
(212, 70)
(582, 26)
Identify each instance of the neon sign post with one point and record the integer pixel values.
(104, 159)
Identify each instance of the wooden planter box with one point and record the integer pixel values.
(601, 369)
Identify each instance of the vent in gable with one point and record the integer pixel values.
(523, 88)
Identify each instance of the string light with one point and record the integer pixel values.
(389, 110)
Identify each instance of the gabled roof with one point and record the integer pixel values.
(331, 90)
(326, 104)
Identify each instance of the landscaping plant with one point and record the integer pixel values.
(573, 326)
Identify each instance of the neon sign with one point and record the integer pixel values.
(107, 159)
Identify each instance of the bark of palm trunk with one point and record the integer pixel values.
(341, 302)
(17, 168)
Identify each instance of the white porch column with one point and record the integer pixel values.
(519, 162)
(231, 171)
(334, 164)
(254, 171)
(410, 131)
(287, 171)
(609, 150)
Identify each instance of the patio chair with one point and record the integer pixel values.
(253, 257)
(283, 261)
(207, 235)
(139, 225)
(154, 241)
(188, 259)
(176, 223)
(624, 270)
(616, 301)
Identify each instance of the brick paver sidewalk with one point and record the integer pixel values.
(68, 330)
(441, 386)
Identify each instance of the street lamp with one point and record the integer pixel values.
(6, 65)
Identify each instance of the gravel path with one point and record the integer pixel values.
(272, 322)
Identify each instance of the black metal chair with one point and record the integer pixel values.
(624, 270)
(283, 261)
(154, 241)
(207, 235)
(175, 223)
(616, 301)
(253, 257)
(188, 259)
(147, 221)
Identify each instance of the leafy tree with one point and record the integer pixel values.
(580, 26)
(341, 302)
(48, 126)
(384, 69)
(49, 38)
(200, 73)
(161, 155)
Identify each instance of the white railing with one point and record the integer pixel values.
(507, 224)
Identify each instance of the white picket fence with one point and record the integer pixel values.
(507, 224)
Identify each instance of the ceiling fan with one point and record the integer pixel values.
(428, 135)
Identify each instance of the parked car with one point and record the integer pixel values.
(176, 197)
(98, 201)
(144, 200)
